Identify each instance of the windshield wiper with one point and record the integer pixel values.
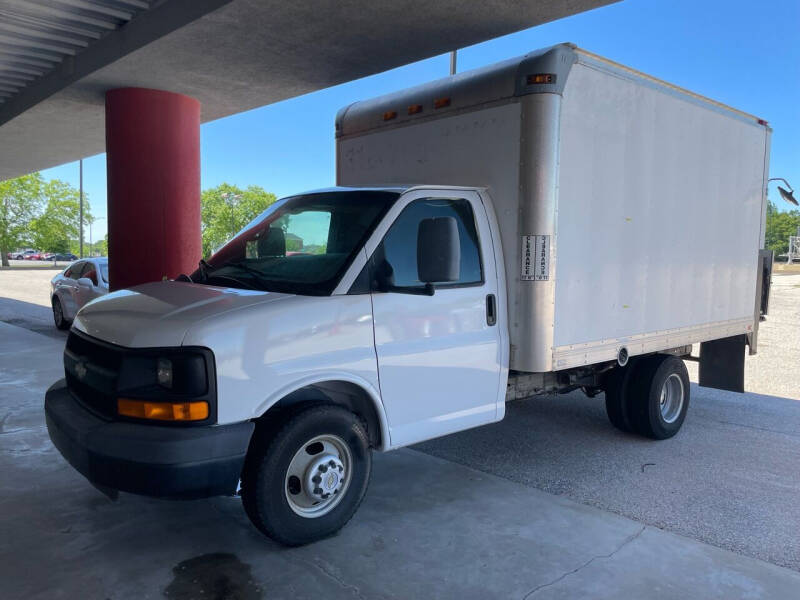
(204, 268)
(258, 275)
(244, 284)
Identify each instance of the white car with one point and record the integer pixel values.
(82, 281)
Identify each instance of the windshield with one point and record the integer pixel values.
(299, 245)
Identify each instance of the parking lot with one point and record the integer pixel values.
(551, 502)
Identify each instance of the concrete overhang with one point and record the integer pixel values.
(232, 55)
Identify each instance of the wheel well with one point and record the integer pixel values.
(341, 393)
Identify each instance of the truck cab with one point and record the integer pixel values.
(337, 321)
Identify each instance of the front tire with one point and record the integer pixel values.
(660, 397)
(58, 315)
(305, 480)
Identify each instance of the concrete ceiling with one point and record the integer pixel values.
(38, 35)
(232, 55)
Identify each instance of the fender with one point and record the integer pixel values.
(322, 377)
(66, 304)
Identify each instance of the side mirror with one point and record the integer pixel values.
(438, 250)
(85, 282)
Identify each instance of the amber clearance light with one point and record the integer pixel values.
(162, 411)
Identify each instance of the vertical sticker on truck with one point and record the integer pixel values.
(535, 258)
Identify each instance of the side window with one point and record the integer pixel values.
(395, 259)
(74, 272)
(90, 272)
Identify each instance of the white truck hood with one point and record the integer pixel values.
(161, 313)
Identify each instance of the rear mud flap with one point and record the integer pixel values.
(722, 363)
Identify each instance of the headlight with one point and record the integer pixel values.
(167, 385)
(178, 373)
(164, 372)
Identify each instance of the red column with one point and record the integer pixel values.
(153, 167)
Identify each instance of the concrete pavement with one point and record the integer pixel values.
(428, 528)
(730, 477)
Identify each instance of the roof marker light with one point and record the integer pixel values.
(389, 115)
(539, 78)
(415, 109)
(441, 102)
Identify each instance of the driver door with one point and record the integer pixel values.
(86, 293)
(440, 361)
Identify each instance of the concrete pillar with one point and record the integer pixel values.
(153, 167)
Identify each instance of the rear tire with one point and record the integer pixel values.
(617, 388)
(58, 315)
(659, 397)
(305, 480)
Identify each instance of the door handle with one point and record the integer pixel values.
(491, 310)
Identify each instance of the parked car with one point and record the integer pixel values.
(67, 256)
(34, 255)
(78, 284)
(47, 256)
(21, 254)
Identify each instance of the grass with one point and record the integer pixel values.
(786, 269)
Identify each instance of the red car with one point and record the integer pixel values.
(34, 256)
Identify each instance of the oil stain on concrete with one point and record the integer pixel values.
(217, 576)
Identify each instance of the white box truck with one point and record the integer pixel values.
(551, 223)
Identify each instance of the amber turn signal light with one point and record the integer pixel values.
(541, 78)
(162, 411)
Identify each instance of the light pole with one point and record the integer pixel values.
(80, 171)
(787, 195)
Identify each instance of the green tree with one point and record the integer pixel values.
(58, 227)
(100, 247)
(226, 209)
(780, 225)
(21, 201)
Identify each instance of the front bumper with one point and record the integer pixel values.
(151, 460)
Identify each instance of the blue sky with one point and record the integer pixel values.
(742, 53)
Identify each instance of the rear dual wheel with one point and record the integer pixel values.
(649, 396)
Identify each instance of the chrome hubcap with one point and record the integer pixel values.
(671, 400)
(318, 476)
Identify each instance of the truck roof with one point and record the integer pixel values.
(497, 82)
(397, 188)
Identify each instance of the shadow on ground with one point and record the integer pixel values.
(728, 478)
(34, 317)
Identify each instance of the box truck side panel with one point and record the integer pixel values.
(659, 218)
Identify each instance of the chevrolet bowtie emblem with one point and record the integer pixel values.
(80, 369)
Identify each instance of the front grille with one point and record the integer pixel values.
(91, 369)
(95, 352)
(95, 400)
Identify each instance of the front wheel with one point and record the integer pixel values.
(307, 480)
